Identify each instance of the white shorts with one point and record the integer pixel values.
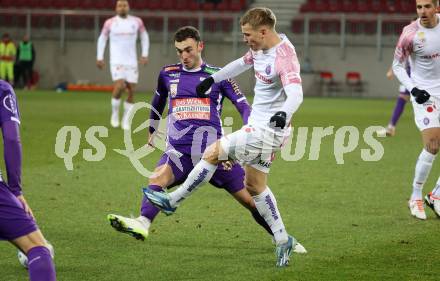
(427, 115)
(254, 146)
(128, 73)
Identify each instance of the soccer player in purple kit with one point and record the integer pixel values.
(193, 115)
(17, 224)
(278, 95)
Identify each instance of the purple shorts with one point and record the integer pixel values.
(232, 180)
(14, 222)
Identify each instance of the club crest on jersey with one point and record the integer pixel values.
(426, 121)
(173, 90)
(268, 69)
(421, 36)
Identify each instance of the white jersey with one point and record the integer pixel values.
(421, 46)
(123, 34)
(274, 69)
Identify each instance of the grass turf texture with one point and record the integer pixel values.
(352, 218)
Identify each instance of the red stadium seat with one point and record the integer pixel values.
(298, 26)
(208, 6)
(182, 5)
(167, 5)
(153, 4)
(353, 78)
(349, 6)
(222, 6)
(326, 77)
(194, 5)
(236, 5)
(335, 6)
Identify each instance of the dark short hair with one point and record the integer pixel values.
(259, 16)
(186, 32)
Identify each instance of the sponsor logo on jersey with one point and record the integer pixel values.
(434, 56)
(174, 75)
(261, 77)
(235, 86)
(191, 108)
(171, 68)
(173, 90)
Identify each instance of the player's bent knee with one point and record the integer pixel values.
(29, 241)
(433, 145)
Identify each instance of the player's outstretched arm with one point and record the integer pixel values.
(231, 70)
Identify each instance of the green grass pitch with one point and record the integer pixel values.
(352, 218)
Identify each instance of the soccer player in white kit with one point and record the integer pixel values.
(420, 44)
(278, 94)
(123, 31)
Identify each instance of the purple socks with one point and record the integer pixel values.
(398, 109)
(148, 210)
(40, 264)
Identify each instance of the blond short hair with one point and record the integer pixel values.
(259, 16)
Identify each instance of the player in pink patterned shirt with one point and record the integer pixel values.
(123, 30)
(420, 45)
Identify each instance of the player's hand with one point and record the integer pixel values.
(204, 86)
(390, 74)
(278, 121)
(26, 207)
(100, 64)
(143, 60)
(421, 96)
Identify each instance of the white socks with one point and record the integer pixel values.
(267, 207)
(125, 119)
(144, 221)
(423, 167)
(115, 106)
(201, 173)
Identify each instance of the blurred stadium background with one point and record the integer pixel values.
(352, 218)
(345, 46)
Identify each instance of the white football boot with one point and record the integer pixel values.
(114, 121)
(136, 227)
(417, 209)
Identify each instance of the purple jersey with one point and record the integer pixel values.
(9, 120)
(8, 105)
(14, 221)
(194, 122)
